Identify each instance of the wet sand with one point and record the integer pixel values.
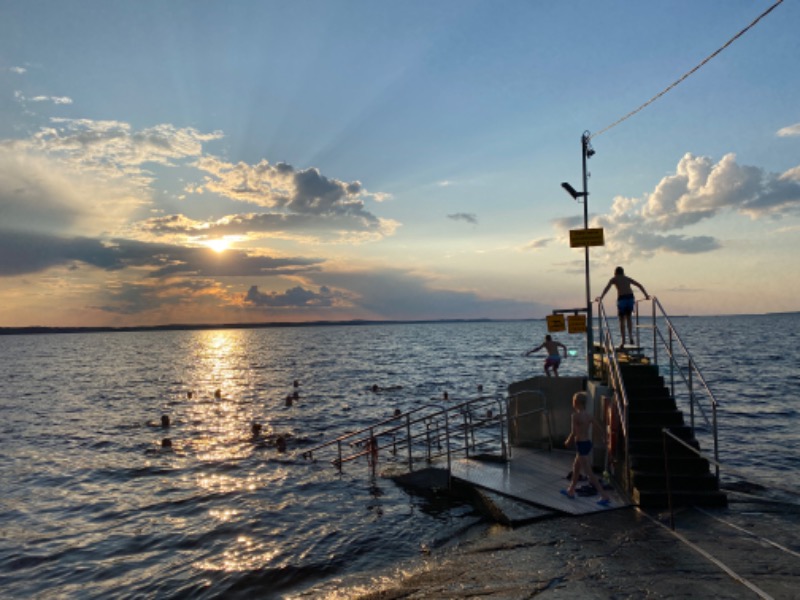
(615, 554)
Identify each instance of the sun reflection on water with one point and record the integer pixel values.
(221, 412)
(244, 554)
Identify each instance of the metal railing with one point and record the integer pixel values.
(679, 364)
(544, 411)
(689, 374)
(620, 396)
(423, 435)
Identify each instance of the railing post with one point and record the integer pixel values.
(502, 420)
(600, 338)
(716, 440)
(428, 438)
(671, 365)
(668, 482)
(447, 443)
(655, 334)
(691, 394)
(408, 443)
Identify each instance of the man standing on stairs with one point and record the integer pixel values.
(625, 300)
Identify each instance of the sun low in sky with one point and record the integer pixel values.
(329, 160)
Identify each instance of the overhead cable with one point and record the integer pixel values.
(688, 73)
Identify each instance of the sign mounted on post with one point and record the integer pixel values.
(576, 323)
(582, 238)
(555, 323)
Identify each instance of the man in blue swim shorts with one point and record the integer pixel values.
(625, 301)
(553, 359)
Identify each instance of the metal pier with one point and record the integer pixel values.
(534, 477)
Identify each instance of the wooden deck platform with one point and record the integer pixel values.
(535, 477)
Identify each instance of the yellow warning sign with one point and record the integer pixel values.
(576, 323)
(581, 238)
(555, 323)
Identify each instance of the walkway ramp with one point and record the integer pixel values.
(535, 477)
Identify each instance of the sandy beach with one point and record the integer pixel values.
(748, 550)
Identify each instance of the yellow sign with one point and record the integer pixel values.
(555, 323)
(576, 323)
(580, 238)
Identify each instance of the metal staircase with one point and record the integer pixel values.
(659, 461)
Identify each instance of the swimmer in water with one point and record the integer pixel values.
(165, 424)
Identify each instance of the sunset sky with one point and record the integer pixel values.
(250, 161)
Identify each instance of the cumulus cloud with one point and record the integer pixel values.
(304, 191)
(86, 178)
(466, 217)
(302, 204)
(296, 297)
(40, 193)
(162, 296)
(274, 224)
(24, 253)
(398, 294)
(698, 190)
(791, 130)
(114, 149)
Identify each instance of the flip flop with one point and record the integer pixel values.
(568, 495)
(603, 502)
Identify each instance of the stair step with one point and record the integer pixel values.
(638, 404)
(678, 482)
(639, 372)
(655, 419)
(660, 499)
(637, 382)
(645, 393)
(654, 446)
(686, 465)
(652, 432)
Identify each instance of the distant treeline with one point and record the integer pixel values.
(200, 327)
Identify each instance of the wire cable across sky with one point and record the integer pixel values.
(688, 73)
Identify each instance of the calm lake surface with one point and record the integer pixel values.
(93, 508)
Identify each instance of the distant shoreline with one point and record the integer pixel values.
(34, 329)
(204, 327)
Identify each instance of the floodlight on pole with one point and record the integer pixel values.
(572, 191)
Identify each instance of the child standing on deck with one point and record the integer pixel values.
(581, 422)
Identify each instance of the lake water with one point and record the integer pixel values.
(93, 508)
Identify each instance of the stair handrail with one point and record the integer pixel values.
(365, 441)
(616, 381)
(693, 371)
(668, 346)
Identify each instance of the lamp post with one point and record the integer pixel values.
(586, 152)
